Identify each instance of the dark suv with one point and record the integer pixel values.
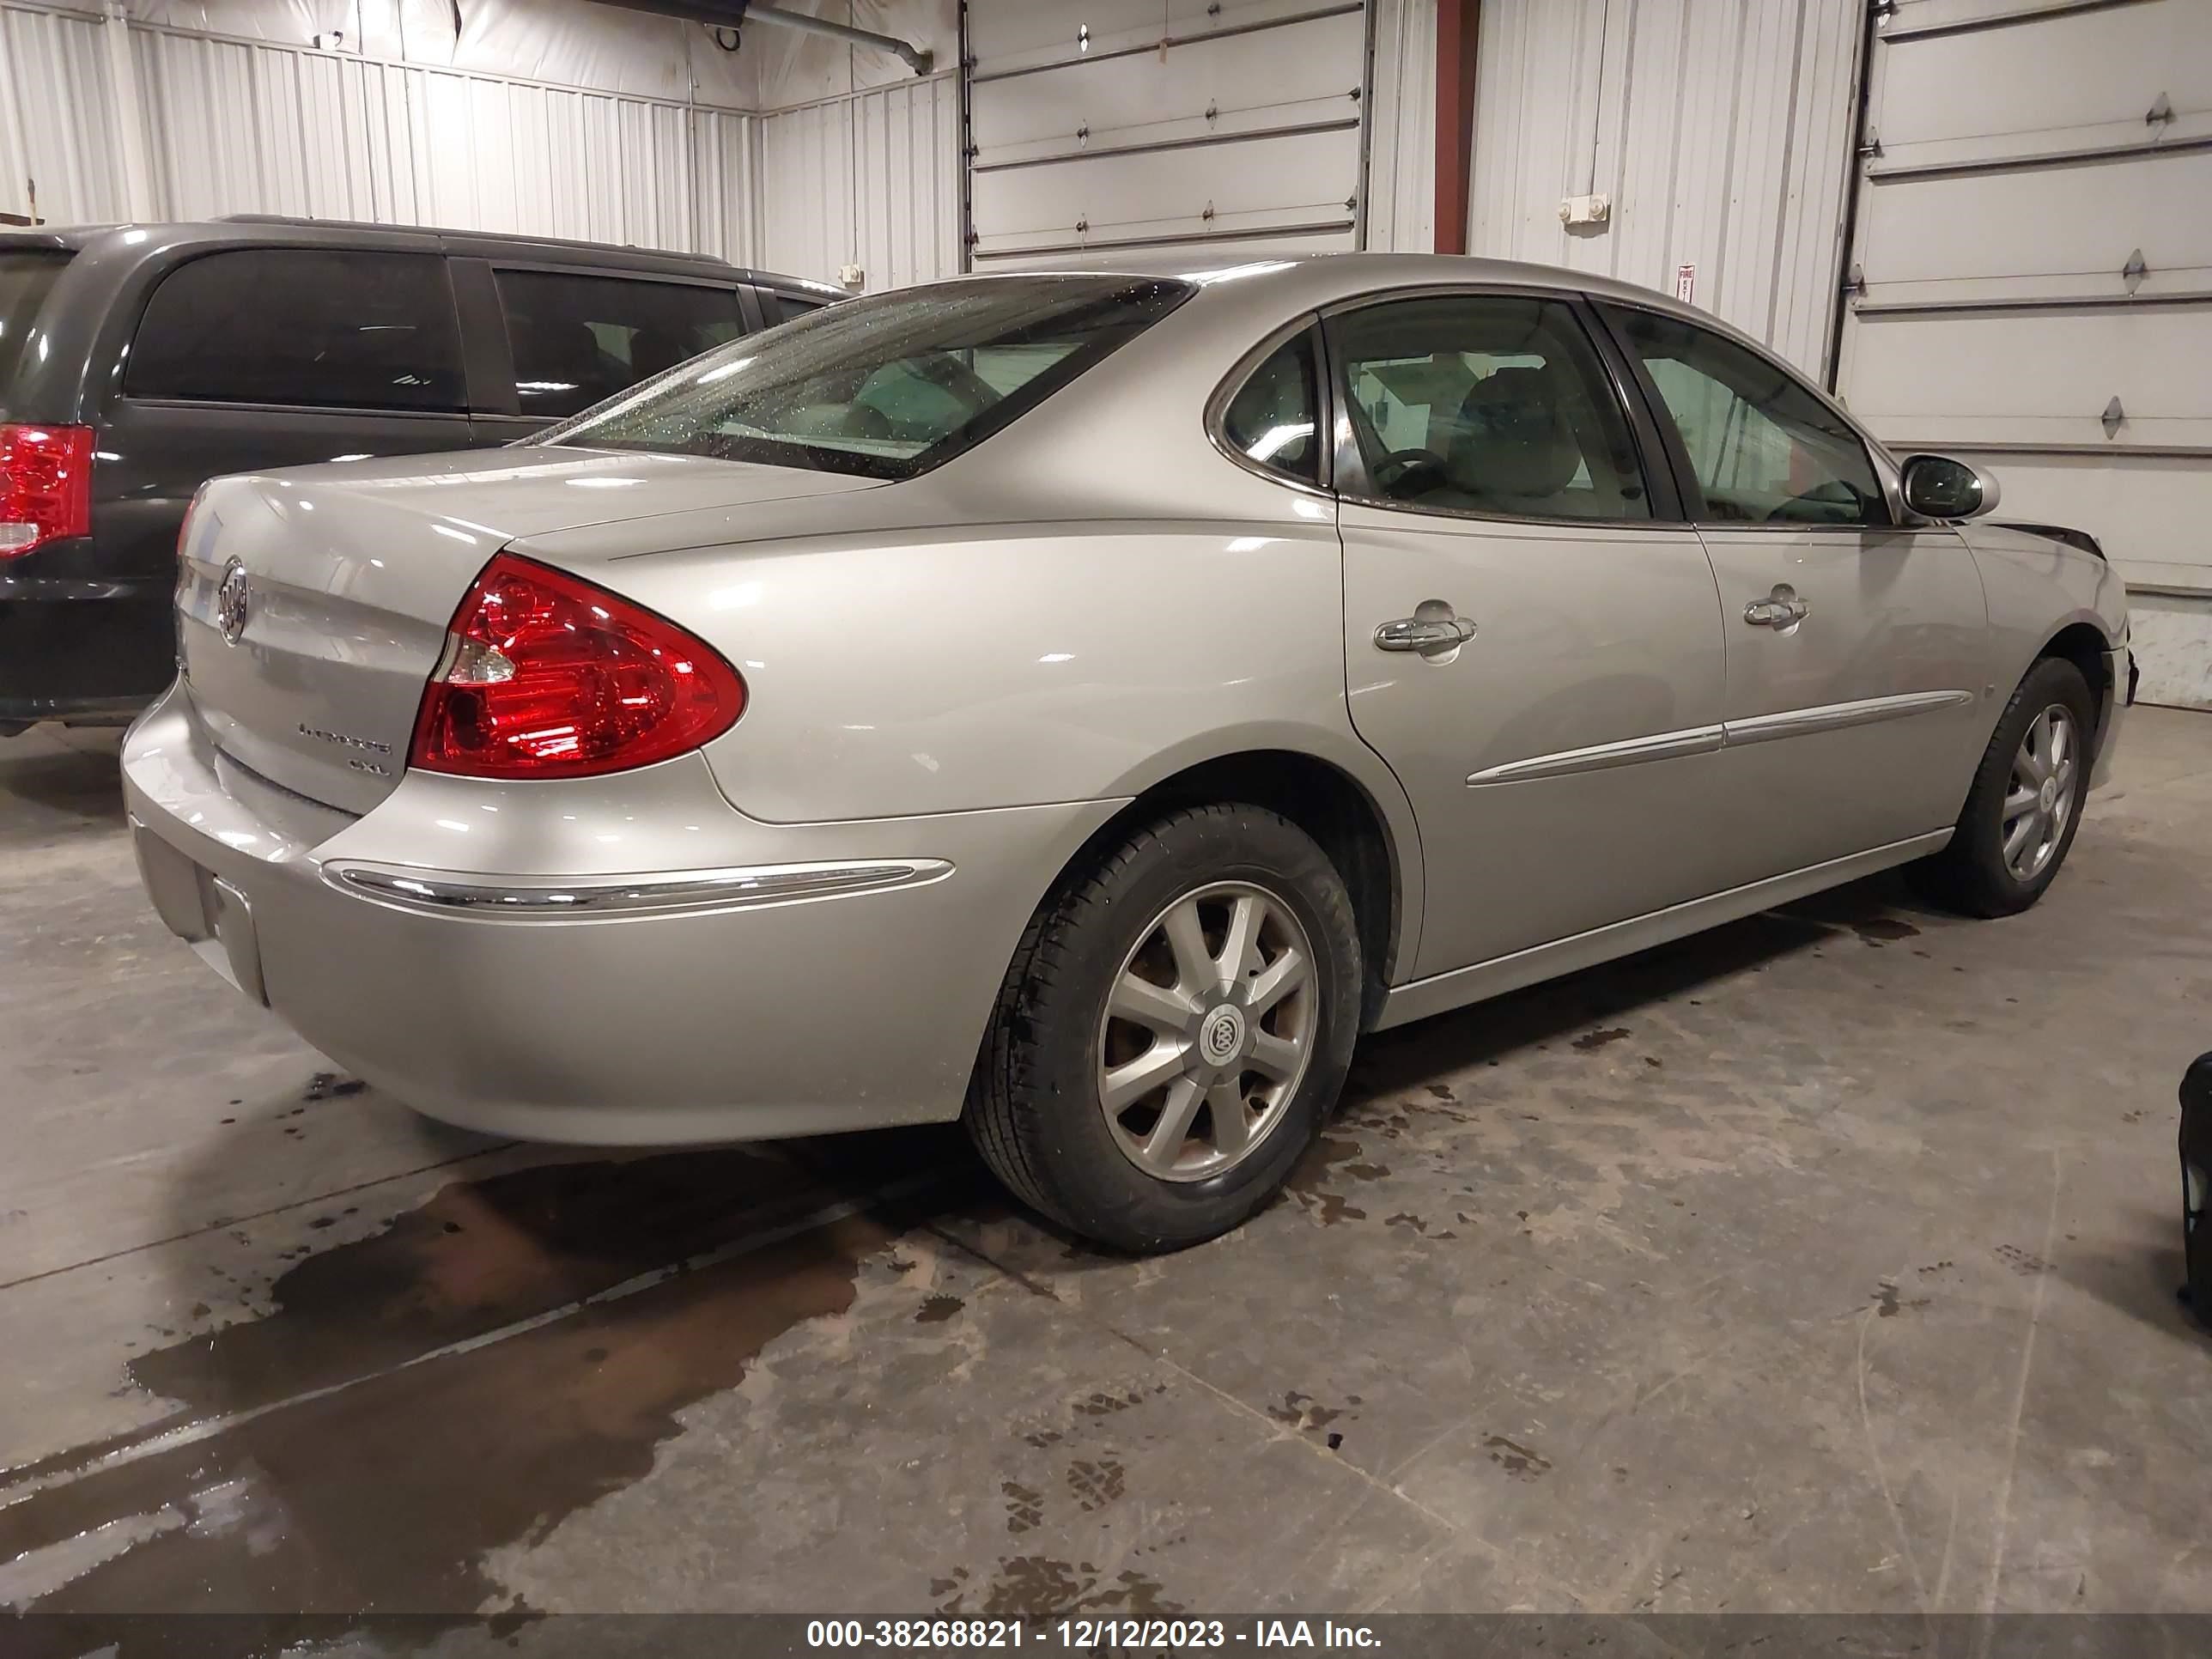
(137, 361)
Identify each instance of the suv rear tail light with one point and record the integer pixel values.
(546, 676)
(46, 485)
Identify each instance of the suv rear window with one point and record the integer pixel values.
(333, 329)
(887, 385)
(578, 340)
(27, 276)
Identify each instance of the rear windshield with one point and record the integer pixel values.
(886, 387)
(27, 276)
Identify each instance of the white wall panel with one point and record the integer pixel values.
(871, 180)
(55, 113)
(1720, 130)
(1401, 146)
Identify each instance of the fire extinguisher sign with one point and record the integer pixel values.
(1685, 285)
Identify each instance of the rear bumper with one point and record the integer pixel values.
(75, 649)
(797, 980)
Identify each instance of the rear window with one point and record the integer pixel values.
(27, 276)
(886, 387)
(578, 340)
(335, 329)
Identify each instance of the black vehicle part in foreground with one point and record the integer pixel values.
(2196, 1185)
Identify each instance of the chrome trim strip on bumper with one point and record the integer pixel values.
(1705, 739)
(1663, 746)
(1836, 716)
(525, 899)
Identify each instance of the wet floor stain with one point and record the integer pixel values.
(1884, 930)
(369, 1456)
(1307, 1186)
(1035, 1586)
(1516, 1460)
(1597, 1039)
(936, 1309)
(1887, 1304)
(1095, 1485)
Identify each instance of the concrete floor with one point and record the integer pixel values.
(1826, 1261)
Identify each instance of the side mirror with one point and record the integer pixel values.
(1938, 487)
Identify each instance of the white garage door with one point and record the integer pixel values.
(2032, 257)
(1118, 127)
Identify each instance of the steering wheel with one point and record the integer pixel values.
(1400, 465)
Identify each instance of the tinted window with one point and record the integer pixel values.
(1763, 446)
(1488, 403)
(791, 307)
(26, 278)
(341, 329)
(578, 340)
(887, 385)
(1275, 418)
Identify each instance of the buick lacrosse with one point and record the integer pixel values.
(1083, 704)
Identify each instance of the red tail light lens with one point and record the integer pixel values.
(46, 485)
(546, 676)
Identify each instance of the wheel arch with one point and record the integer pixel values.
(2082, 641)
(1363, 824)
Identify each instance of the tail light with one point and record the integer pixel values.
(547, 676)
(46, 485)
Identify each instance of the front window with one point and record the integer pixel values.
(886, 387)
(1764, 448)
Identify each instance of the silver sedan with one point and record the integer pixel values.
(1082, 705)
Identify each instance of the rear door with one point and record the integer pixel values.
(1532, 639)
(1856, 703)
(549, 341)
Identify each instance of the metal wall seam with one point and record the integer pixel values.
(1400, 190)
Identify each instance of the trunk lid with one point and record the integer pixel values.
(308, 668)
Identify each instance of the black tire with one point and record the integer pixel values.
(1033, 1109)
(1971, 875)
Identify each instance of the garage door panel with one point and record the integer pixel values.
(2002, 234)
(1007, 34)
(2040, 376)
(1304, 180)
(2050, 82)
(2152, 506)
(1282, 78)
(1236, 127)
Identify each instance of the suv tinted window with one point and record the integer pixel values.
(888, 385)
(1487, 403)
(1764, 447)
(27, 276)
(340, 328)
(1274, 417)
(579, 339)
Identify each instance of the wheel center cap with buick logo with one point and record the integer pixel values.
(1222, 1037)
(231, 602)
(2047, 797)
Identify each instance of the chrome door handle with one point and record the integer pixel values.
(1424, 633)
(1781, 609)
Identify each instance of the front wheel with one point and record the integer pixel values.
(2026, 802)
(1173, 1030)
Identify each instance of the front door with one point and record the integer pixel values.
(1529, 642)
(1856, 706)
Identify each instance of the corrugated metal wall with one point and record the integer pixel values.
(872, 179)
(1401, 146)
(1721, 129)
(56, 110)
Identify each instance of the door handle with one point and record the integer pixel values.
(1782, 609)
(1424, 633)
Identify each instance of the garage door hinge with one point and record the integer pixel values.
(1854, 280)
(2113, 416)
(2134, 270)
(2159, 112)
(1880, 9)
(1870, 146)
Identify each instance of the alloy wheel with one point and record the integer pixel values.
(1207, 1032)
(2039, 799)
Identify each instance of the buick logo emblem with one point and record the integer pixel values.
(1224, 1035)
(231, 601)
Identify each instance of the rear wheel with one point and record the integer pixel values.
(2026, 802)
(1173, 1030)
